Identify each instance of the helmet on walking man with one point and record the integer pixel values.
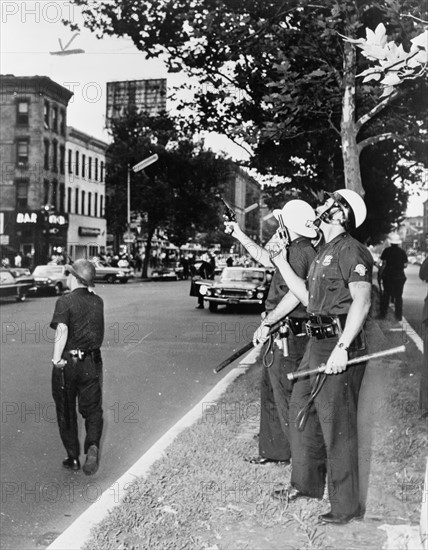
(83, 270)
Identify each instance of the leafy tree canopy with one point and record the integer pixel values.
(175, 194)
(273, 73)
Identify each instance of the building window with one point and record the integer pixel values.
(46, 155)
(69, 199)
(21, 194)
(62, 159)
(89, 204)
(55, 194)
(76, 202)
(55, 119)
(54, 155)
(70, 161)
(76, 168)
(102, 171)
(90, 168)
(96, 169)
(46, 189)
(46, 114)
(96, 205)
(22, 113)
(83, 165)
(82, 208)
(62, 122)
(62, 198)
(101, 206)
(22, 151)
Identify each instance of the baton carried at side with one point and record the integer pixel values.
(355, 361)
(274, 328)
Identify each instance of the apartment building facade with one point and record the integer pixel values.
(40, 214)
(33, 220)
(85, 194)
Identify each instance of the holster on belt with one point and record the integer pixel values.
(322, 327)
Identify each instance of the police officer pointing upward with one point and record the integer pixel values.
(77, 365)
(274, 444)
(324, 439)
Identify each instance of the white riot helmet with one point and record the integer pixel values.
(297, 215)
(351, 204)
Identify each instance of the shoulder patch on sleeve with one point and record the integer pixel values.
(360, 269)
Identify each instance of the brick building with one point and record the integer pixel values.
(52, 176)
(32, 182)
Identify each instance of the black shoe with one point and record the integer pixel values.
(199, 307)
(340, 519)
(71, 463)
(290, 494)
(91, 465)
(262, 460)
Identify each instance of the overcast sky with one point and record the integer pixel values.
(32, 29)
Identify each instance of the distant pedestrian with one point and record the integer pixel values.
(17, 260)
(229, 261)
(78, 322)
(394, 261)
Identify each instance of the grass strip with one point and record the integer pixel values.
(203, 495)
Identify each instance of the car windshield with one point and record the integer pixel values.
(237, 274)
(47, 270)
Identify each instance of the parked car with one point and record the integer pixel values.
(172, 272)
(238, 285)
(50, 277)
(15, 285)
(109, 274)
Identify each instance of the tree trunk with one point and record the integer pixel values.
(147, 250)
(348, 128)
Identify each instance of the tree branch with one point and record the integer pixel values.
(373, 112)
(380, 137)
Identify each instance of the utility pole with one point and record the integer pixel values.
(136, 168)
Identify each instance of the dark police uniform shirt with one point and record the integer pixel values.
(395, 258)
(342, 261)
(83, 313)
(301, 253)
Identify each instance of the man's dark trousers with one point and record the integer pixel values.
(275, 398)
(83, 381)
(328, 443)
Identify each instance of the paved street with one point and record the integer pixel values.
(159, 352)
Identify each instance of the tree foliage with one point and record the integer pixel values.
(278, 75)
(177, 193)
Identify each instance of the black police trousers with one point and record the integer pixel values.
(275, 393)
(392, 289)
(328, 444)
(83, 383)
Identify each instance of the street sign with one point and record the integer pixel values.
(144, 163)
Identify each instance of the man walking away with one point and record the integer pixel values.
(394, 261)
(77, 365)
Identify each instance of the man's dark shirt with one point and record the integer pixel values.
(395, 259)
(300, 256)
(83, 313)
(342, 261)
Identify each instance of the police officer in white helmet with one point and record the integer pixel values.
(337, 293)
(281, 359)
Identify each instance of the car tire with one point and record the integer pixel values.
(110, 279)
(213, 307)
(58, 289)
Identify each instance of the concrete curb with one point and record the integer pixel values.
(76, 535)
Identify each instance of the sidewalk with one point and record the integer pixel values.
(201, 493)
